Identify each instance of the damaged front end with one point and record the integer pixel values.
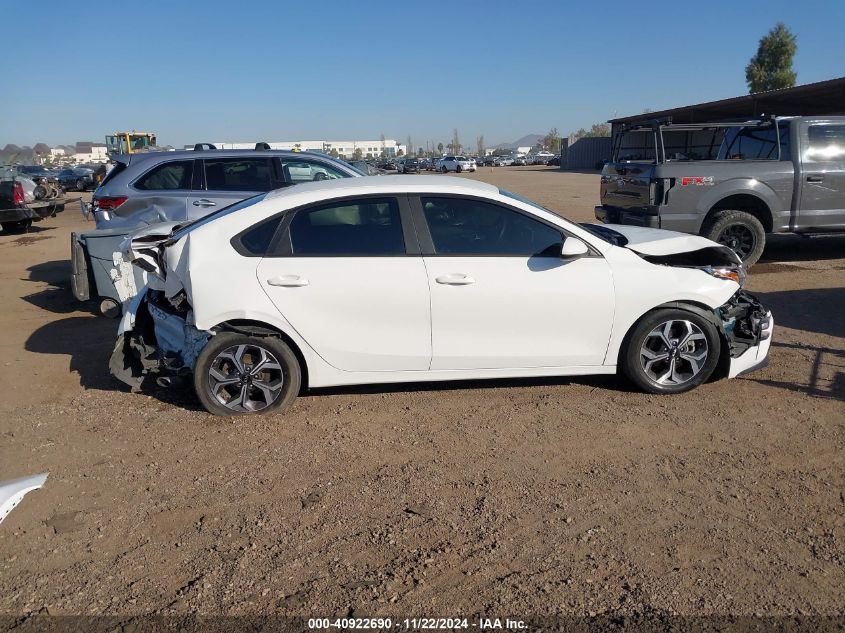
(747, 327)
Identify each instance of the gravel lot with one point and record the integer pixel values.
(512, 498)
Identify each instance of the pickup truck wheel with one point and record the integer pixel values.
(739, 231)
(671, 351)
(238, 374)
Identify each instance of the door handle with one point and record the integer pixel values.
(204, 203)
(455, 279)
(815, 178)
(288, 281)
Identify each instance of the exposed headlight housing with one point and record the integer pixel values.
(729, 273)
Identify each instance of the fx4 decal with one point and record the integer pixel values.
(697, 180)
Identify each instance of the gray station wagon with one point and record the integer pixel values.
(148, 188)
(172, 186)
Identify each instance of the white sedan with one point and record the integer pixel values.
(456, 164)
(374, 280)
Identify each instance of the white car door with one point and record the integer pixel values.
(501, 295)
(342, 277)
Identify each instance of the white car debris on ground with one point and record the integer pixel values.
(13, 491)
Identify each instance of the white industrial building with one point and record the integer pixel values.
(344, 149)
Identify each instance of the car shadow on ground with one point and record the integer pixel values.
(818, 311)
(794, 248)
(605, 382)
(58, 297)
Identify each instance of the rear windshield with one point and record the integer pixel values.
(636, 146)
(118, 167)
(732, 143)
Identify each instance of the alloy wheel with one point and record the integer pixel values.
(245, 378)
(740, 239)
(674, 352)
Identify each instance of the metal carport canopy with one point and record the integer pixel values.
(821, 98)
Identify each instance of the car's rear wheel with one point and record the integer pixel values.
(458, 169)
(238, 374)
(443, 169)
(671, 351)
(80, 185)
(740, 231)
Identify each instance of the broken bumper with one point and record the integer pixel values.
(748, 329)
(35, 211)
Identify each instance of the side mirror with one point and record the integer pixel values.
(573, 247)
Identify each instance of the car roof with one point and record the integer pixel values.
(387, 185)
(216, 153)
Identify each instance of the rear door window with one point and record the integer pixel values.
(827, 142)
(169, 176)
(366, 227)
(238, 174)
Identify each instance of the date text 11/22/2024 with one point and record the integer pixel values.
(417, 623)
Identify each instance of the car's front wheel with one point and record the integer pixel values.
(238, 374)
(671, 351)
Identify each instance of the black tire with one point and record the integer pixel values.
(738, 230)
(443, 169)
(458, 169)
(220, 353)
(18, 226)
(80, 185)
(641, 356)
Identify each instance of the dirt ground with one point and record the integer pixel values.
(508, 498)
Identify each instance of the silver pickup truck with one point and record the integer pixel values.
(732, 182)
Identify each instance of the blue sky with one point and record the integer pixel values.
(298, 69)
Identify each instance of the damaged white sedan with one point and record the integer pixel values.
(405, 279)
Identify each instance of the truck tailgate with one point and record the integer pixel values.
(627, 185)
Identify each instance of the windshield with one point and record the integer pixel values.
(515, 196)
(460, 157)
(190, 226)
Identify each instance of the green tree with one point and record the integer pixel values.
(598, 130)
(479, 145)
(771, 66)
(440, 148)
(334, 153)
(358, 154)
(551, 141)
